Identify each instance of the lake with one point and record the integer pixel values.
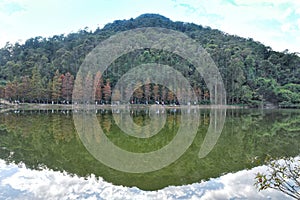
(186, 153)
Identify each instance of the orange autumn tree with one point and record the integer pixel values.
(107, 91)
(98, 83)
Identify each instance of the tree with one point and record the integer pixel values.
(164, 92)
(98, 82)
(11, 91)
(170, 96)
(67, 86)
(88, 88)
(156, 92)
(267, 89)
(282, 175)
(37, 89)
(147, 90)
(77, 96)
(2, 92)
(56, 86)
(107, 91)
(25, 88)
(246, 94)
(49, 91)
(235, 80)
(138, 92)
(117, 96)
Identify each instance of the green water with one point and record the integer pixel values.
(49, 139)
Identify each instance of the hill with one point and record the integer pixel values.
(44, 69)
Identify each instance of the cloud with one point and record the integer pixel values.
(190, 9)
(11, 7)
(232, 2)
(286, 27)
(24, 183)
(251, 18)
(240, 186)
(274, 23)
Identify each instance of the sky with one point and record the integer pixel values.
(275, 23)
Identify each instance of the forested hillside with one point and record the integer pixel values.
(44, 69)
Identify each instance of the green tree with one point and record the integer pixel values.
(49, 91)
(235, 80)
(267, 89)
(37, 88)
(56, 86)
(77, 96)
(2, 92)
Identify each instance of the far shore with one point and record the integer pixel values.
(40, 106)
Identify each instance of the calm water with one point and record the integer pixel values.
(45, 147)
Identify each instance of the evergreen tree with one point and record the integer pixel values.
(77, 96)
(56, 86)
(89, 97)
(37, 89)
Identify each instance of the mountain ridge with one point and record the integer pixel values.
(252, 72)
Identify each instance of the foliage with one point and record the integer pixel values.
(252, 72)
(282, 175)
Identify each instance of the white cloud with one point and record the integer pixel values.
(48, 184)
(238, 186)
(270, 22)
(286, 27)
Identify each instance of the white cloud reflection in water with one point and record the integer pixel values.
(19, 182)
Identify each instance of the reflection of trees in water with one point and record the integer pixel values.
(106, 123)
(62, 127)
(50, 139)
(138, 121)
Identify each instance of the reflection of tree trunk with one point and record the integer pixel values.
(217, 120)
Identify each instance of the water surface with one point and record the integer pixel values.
(46, 141)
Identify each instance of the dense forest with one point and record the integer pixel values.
(45, 69)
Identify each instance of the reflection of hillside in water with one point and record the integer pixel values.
(48, 138)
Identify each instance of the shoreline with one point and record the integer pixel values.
(35, 106)
(39, 106)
